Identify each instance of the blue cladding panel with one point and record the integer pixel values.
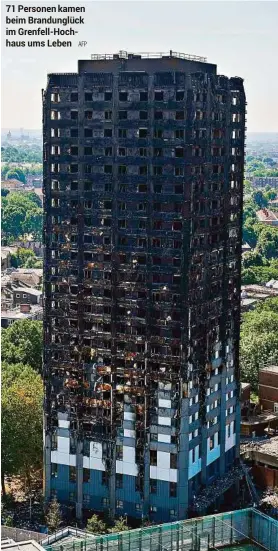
(61, 483)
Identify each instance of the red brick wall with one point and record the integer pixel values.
(269, 379)
(268, 393)
(265, 477)
(245, 394)
(267, 405)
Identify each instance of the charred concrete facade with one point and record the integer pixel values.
(143, 178)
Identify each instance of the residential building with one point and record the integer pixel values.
(267, 217)
(24, 311)
(268, 388)
(262, 456)
(26, 295)
(143, 179)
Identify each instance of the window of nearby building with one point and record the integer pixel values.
(72, 474)
(54, 470)
(72, 497)
(119, 453)
(153, 509)
(173, 489)
(105, 502)
(86, 499)
(54, 441)
(138, 507)
(119, 480)
(275, 407)
(153, 486)
(86, 475)
(173, 461)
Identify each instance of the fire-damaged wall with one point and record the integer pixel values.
(143, 178)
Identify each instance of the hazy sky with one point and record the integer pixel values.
(240, 37)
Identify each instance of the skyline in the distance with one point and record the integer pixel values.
(241, 38)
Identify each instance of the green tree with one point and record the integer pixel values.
(120, 525)
(16, 174)
(22, 413)
(259, 340)
(22, 342)
(23, 255)
(252, 258)
(54, 516)
(267, 243)
(96, 526)
(21, 214)
(259, 198)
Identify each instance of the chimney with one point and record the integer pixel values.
(25, 308)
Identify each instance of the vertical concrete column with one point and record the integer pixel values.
(183, 462)
(79, 479)
(222, 422)
(47, 467)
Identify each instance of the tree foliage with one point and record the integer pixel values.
(259, 340)
(22, 342)
(267, 243)
(22, 214)
(96, 526)
(16, 174)
(120, 525)
(22, 154)
(22, 413)
(54, 516)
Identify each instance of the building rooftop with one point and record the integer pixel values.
(264, 417)
(16, 314)
(122, 54)
(30, 545)
(28, 290)
(267, 447)
(245, 385)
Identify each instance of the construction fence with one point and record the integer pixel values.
(246, 527)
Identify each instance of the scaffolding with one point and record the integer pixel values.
(248, 527)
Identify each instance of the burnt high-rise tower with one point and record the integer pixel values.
(143, 178)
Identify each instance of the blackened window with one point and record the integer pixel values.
(122, 96)
(88, 114)
(86, 475)
(74, 132)
(72, 474)
(144, 96)
(88, 96)
(122, 115)
(88, 133)
(108, 133)
(107, 96)
(108, 169)
(143, 115)
(88, 150)
(179, 95)
(122, 133)
(180, 115)
(143, 132)
(173, 461)
(173, 489)
(158, 115)
(74, 96)
(74, 115)
(158, 95)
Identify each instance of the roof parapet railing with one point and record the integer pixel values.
(122, 54)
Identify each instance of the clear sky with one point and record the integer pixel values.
(241, 37)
